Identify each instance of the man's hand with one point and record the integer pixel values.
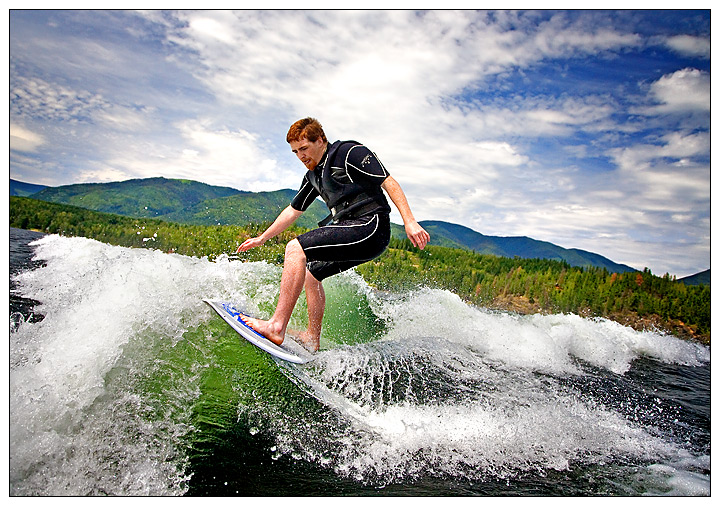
(286, 218)
(250, 243)
(417, 235)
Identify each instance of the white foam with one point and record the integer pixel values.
(496, 423)
(97, 301)
(501, 417)
(541, 342)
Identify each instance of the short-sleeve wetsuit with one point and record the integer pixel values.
(348, 179)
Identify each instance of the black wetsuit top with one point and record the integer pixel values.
(349, 174)
(348, 179)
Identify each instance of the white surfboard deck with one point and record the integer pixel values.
(289, 350)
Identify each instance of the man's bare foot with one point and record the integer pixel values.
(309, 342)
(265, 328)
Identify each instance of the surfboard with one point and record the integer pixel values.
(290, 350)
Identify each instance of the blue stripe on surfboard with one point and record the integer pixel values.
(231, 315)
(237, 315)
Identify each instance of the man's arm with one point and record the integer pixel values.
(417, 235)
(287, 217)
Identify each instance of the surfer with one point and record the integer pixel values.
(350, 179)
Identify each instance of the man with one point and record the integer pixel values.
(350, 179)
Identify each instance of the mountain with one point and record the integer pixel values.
(139, 198)
(20, 189)
(177, 200)
(246, 207)
(701, 278)
(454, 236)
(195, 203)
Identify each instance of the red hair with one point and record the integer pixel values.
(306, 128)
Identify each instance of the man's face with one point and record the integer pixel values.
(309, 153)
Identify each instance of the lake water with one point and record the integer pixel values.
(123, 382)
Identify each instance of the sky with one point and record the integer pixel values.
(589, 129)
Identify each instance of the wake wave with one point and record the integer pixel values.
(82, 413)
(549, 343)
(428, 406)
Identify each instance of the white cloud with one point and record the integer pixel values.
(368, 62)
(659, 178)
(497, 153)
(674, 145)
(124, 119)
(22, 139)
(557, 37)
(679, 145)
(207, 28)
(682, 91)
(106, 173)
(34, 97)
(217, 156)
(690, 45)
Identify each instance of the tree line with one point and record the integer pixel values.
(549, 286)
(191, 240)
(543, 285)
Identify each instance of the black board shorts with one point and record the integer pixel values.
(335, 248)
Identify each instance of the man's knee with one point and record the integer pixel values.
(311, 281)
(294, 250)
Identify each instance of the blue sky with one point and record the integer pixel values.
(589, 129)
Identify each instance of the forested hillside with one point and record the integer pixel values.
(194, 203)
(701, 278)
(454, 235)
(260, 207)
(20, 189)
(139, 198)
(640, 299)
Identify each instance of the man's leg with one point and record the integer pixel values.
(315, 295)
(338, 248)
(291, 285)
